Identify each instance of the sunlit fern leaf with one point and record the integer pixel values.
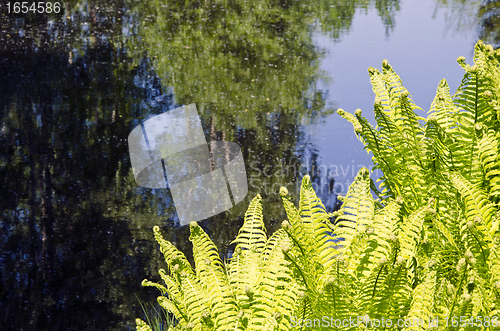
(444, 232)
(410, 233)
(211, 273)
(476, 202)
(160, 287)
(172, 255)
(379, 86)
(489, 152)
(175, 293)
(356, 213)
(196, 299)
(253, 232)
(422, 303)
(394, 299)
(170, 306)
(372, 287)
(243, 267)
(378, 246)
(372, 139)
(308, 206)
(316, 220)
(305, 309)
(494, 265)
(384, 144)
(337, 289)
(141, 325)
(438, 158)
(205, 254)
(475, 110)
(481, 300)
(300, 233)
(443, 109)
(277, 291)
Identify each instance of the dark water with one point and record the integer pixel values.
(75, 229)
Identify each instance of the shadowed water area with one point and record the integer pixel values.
(76, 230)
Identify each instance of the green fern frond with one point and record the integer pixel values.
(410, 233)
(494, 266)
(170, 306)
(423, 300)
(443, 110)
(477, 205)
(394, 297)
(160, 287)
(357, 211)
(299, 231)
(253, 232)
(244, 266)
(196, 299)
(373, 286)
(378, 244)
(141, 325)
(277, 291)
(489, 153)
(316, 220)
(173, 289)
(172, 255)
(208, 265)
(211, 273)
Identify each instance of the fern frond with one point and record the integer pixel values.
(476, 202)
(316, 220)
(244, 266)
(170, 306)
(337, 289)
(173, 289)
(277, 290)
(141, 325)
(489, 153)
(210, 271)
(172, 255)
(422, 303)
(443, 109)
(394, 297)
(149, 283)
(300, 231)
(378, 246)
(196, 300)
(357, 211)
(411, 231)
(253, 232)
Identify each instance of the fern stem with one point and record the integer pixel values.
(456, 294)
(298, 268)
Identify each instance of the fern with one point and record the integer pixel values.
(429, 248)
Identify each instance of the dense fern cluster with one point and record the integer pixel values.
(426, 247)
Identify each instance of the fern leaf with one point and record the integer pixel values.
(141, 325)
(172, 255)
(410, 233)
(170, 306)
(423, 300)
(210, 271)
(244, 266)
(253, 232)
(489, 152)
(477, 204)
(277, 292)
